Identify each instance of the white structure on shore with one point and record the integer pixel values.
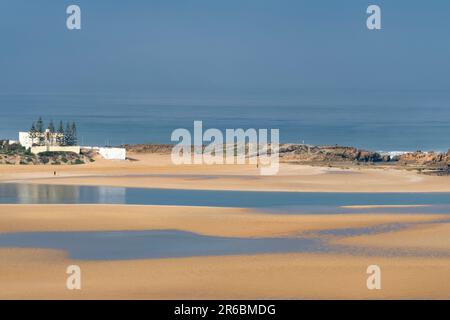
(113, 153)
(46, 138)
(25, 140)
(40, 149)
(47, 141)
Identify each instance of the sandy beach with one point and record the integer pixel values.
(29, 273)
(39, 273)
(430, 236)
(157, 171)
(122, 124)
(228, 222)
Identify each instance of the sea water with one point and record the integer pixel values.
(389, 122)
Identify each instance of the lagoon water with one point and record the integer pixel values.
(157, 244)
(153, 244)
(271, 202)
(378, 121)
(399, 121)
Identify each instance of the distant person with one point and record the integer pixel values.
(54, 173)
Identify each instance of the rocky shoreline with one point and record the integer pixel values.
(339, 156)
(424, 162)
(435, 163)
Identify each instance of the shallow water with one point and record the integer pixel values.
(157, 244)
(153, 244)
(271, 202)
(171, 244)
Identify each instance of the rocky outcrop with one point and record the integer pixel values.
(149, 148)
(433, 161)
(426, 162)
(424, 158)
(329, 154)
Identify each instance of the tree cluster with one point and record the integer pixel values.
(64, 135)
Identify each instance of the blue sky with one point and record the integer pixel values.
(278, 47)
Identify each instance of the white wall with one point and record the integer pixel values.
(113, 153)
(24, 140)
(40, 149)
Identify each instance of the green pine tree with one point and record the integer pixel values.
(40, 131)
(51, 126)
(74, 134)
(68, 138)
(32, 133)
(60, 137)
(33, 128)
(40, 125)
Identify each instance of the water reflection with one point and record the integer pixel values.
(29, 193)
(271, 202)
(54, 194)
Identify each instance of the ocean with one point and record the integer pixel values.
(390, 122)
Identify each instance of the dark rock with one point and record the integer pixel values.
(307, 153)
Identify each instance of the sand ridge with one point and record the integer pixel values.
(228, 222)
(157, 171)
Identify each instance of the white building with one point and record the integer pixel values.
(46, 138)
(25, 140)
(45, 141)
(51, 144)
(113, 153)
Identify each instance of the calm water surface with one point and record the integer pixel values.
(393, 121)
(290, 202)
(171, 243)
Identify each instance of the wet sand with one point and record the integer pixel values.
(433, 236)
(31, 274)
(400, 206)
(228, 222)
(40, 273)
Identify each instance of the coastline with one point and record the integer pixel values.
(230, 157)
